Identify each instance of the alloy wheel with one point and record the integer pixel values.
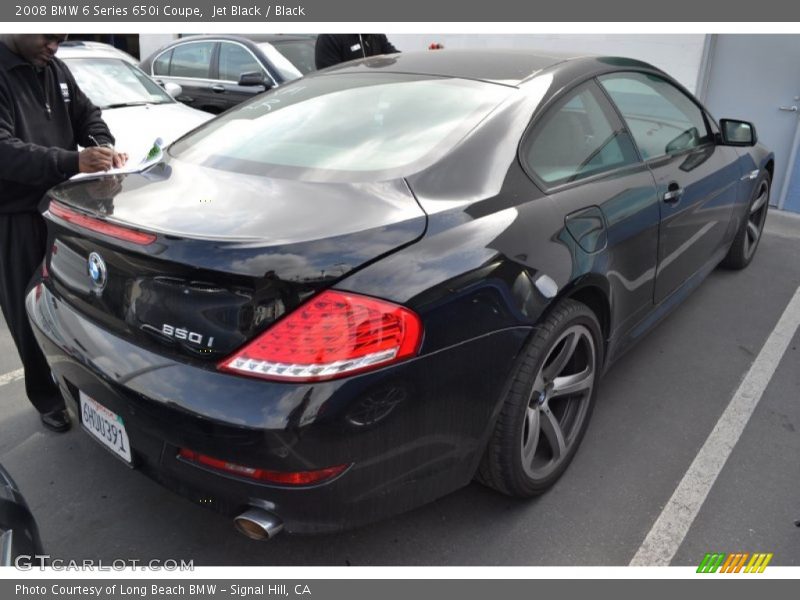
(558, 402)
(755, 220)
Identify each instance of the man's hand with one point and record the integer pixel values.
(95, 158)
(120, 158)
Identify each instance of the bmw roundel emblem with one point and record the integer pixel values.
(97, 270)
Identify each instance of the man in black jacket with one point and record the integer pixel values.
(332, 49)
(44, 116)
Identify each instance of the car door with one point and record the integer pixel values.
(697, 180)
(234, 59)
(581, 155)
(190, 66)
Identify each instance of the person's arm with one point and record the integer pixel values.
(327, 51)
(24, 162)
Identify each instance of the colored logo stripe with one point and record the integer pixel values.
(758, 563)
(711, 562)
(733, 563)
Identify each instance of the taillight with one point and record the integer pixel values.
(93, 224)
(332, 335)
(281, 477)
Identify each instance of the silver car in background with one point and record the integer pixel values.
(136, 109)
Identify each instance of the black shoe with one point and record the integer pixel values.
(56, 420)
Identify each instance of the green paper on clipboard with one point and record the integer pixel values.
(154, 155)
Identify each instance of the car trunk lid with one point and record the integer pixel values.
(232, 253)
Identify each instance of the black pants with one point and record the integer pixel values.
(23, 241)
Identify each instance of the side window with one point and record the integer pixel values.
(235, 60)
(577, 138)
(661, 118)
(192, 60)
(161, 65)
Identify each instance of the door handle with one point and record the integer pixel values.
(218, 88)
(788, 108)
(673, 193)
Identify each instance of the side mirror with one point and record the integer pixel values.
(737, 133)
(253, 78)
(688, 139)
(173, 89)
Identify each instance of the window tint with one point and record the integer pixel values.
(661, 118)
(235, 60)
(347, 123)
(300, 54)
(161, 65)
(191, 60)
(576, 139)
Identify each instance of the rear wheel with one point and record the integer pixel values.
(744, 245)
(547, 409)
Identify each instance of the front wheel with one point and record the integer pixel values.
(547, 409)
(744, 245)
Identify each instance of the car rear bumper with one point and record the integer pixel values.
(411, 432)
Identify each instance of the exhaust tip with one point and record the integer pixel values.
(258, 524)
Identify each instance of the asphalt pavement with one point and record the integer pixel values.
(656, 409)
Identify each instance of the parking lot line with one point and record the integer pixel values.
(12, 376)
(672, 525)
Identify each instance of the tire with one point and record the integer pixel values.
(525, 455)
(745, 243)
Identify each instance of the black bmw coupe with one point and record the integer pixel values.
(364, 289)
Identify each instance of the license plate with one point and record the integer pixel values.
(106, 426)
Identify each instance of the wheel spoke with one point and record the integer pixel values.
(560, 361)
(572, 384)
(752, 231)
(532, 441)
(552, 432)
(759, 202)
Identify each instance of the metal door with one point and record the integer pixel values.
(757, 78)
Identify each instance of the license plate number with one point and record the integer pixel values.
(106, 426)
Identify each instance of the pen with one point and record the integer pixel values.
(96, 143)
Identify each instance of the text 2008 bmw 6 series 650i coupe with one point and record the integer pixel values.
(366, 288)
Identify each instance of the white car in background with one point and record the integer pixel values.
(136, 108)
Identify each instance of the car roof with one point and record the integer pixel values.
(507, 67)
(80, 49)
(278, 37)
(251, 41)
(253, 38)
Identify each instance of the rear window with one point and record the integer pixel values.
(347, 123)
(192, 59)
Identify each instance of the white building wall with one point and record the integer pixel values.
(680, 55)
